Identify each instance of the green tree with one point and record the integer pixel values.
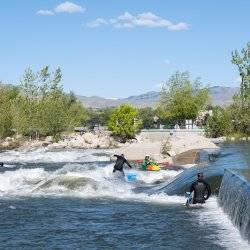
(241, 105)
(242, 61)
(53, 114)
(104, 116)
(43, 108)
(219, 124)
(124, 121)
(26, 118)
(240, 116)
(182, 98)
(8, 94)
(146, 116)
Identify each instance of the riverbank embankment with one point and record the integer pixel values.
(163, 146)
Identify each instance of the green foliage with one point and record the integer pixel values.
(146, 115)
(240, 116)
(100, 117)
(8, 94)
(123, 121)
(104, 116)
(241, 105)
(219, 124)
(182, 98)
(40, 106)
(242, 61)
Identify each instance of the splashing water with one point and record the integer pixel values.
(92, 190)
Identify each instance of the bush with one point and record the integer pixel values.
(123, 122)
(147, 117)
(39, 106)
(219, 124)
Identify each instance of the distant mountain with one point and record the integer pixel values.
(220, 95)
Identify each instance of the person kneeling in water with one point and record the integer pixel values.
(119, 164)
(201, 190)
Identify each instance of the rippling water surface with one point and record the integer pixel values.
(72, 200)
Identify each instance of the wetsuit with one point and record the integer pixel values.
(119, 164)
(200, 188)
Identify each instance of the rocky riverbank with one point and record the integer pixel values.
(161, 150)
(101, 140)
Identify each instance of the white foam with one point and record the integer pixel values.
(150, 177)
(101, 183)
(21, 181)
(228, 235)
(44, 155)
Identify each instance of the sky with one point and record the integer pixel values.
(119, 48)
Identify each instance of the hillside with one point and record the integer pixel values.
(221, 96)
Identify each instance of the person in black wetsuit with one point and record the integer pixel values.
(1, 164)
(119, 164)
(201, 189)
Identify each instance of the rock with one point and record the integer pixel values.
(171, 153)
(89, 138)
(5, 144)
(49, 139)
(18, 137)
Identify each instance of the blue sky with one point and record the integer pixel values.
(118, 48)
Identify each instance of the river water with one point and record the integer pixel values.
(72, 200)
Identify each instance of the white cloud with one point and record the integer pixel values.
(178, 26)
(146, 19)
(97, 23)
(69, 7)
(45, 12)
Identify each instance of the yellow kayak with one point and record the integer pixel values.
(153, 168)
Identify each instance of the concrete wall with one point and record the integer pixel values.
(163, 134)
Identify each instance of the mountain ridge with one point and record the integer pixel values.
(220, 95)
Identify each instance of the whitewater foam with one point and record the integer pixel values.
(42, 155)
(79, 181)
(228, 235)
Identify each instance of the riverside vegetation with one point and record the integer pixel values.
(39, 107)
(235, 119)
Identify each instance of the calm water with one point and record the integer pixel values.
(46, 203)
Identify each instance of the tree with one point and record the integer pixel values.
(124, 121)
(182, 98)
(53, 114)
(43, 108)
(241, 105)
(146, 115)
(240, 116)
(219, 124)
(8, 94)
(242, 61)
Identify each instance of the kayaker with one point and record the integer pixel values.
(201, 189)
(146, 162)
(119, 164)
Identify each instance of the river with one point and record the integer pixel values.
(71, 200)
